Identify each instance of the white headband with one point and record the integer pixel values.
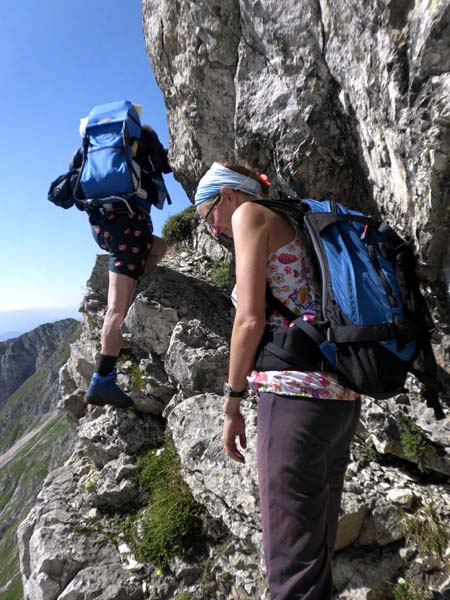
(218, 176)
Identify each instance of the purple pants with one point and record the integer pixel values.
(303, 452)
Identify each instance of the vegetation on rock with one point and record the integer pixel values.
(178, 228)
(414, 442)
(171, 524)
(426, 532)
(221, 273)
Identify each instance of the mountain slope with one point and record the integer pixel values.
(22, 473)
(34, 436)
(29, 367)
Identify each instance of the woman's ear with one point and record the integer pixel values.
(228, 193)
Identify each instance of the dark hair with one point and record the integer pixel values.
(253, 174)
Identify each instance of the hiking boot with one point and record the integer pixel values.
(103, 389)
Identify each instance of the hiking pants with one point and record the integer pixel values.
(303, 451)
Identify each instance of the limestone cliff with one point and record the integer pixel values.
(346, 98)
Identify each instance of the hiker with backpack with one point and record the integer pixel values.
(293, 344)
(116, 177)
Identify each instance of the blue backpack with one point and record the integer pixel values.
(109, 172)
(374, 325)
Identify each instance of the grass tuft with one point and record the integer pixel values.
(170, 526)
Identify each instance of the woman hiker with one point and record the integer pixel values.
(306, 420)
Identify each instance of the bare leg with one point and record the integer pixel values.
(159, 248)
(120, 292)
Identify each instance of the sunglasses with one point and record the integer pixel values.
(215, 202)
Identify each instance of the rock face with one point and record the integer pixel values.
(71, 545)
(326, 97)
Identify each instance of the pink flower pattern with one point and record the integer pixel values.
(295, 286)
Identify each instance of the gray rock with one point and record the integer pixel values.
(167, 297)
(196, 427)
(197, 358)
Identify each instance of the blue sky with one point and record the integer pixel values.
(59, 58)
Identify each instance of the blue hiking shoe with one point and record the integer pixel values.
(103, 389)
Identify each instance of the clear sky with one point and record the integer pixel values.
(59, 58)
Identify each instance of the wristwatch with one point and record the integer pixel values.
(228, 391)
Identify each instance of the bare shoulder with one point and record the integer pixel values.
(251, 214)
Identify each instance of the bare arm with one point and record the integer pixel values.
(250, 242)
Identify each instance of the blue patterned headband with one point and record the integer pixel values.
(218, 176)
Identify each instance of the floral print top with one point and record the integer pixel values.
(291, 278)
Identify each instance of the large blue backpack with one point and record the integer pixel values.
(110, 171)
(374, 327)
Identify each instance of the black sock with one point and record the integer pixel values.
(105, 364)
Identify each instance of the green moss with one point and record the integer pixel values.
(184, 596)
(171, 524)
(15, 590)
(414, 442)
(369, 452)
(178, 228)
(408, 591)
(426, 531)
(221, 273)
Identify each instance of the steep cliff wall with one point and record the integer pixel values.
(342, 97)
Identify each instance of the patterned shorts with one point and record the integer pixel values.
(127, 239)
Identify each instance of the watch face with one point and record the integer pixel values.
(226, 389)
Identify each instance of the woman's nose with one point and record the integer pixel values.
(217, 230)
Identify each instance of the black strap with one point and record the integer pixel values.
(310, 331)
(323, 220)
(403, 332)
(276, 350)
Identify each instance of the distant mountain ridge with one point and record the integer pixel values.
(29, 367)
(20, 357)
(17, 322)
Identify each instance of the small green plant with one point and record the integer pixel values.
(184, 596)
(171, 523)
(90, 321)
(136, 377)
(426, 531)
(414, 442)
(221, 273)
(408, 590)
(369, 452)
(178, 228)
(134, 372)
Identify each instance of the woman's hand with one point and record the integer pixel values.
(233, 427)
